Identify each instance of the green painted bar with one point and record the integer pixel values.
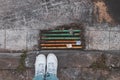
(64, 30)
(60, 38)
(60, 35)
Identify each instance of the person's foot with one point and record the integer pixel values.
(40, 65)
(52, 64)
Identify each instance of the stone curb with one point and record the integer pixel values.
(9, 60)
(78, 59)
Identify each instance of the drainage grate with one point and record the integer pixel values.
(61, 39)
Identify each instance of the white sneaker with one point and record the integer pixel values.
(40, 65)
(52, 64)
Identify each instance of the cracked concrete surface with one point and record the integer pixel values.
(73, 65)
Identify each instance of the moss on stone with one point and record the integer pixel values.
(21, 67)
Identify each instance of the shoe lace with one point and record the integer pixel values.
(41, 69)
(51, 68)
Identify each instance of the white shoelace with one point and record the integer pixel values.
(51, 68)
(41, 70)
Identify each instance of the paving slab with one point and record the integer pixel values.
(16, 39)
(9, 60)
(73, 65)
(33, 39)
(66, 58)
(99, 27)
(82, 74)
(115, 40)
(2, 39)
(71, 58)
(64, 74)
(115, 28)
(12, 75)
(99, 40)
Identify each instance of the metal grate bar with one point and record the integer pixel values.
(61, 39)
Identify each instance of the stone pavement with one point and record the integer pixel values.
(20, 25)
(21, 22)
(73, 65)
(97, 37)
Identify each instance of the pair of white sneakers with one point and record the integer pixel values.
(45, 65)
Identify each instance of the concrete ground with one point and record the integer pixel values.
(21, 22)
(73, 65)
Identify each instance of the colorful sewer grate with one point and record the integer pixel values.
(61, 39)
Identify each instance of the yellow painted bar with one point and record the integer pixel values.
(62, 47)
(58, 44)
